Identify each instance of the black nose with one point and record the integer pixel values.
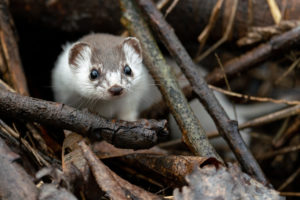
(115, 90)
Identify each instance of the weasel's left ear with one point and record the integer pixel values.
(132, 49)
(79, 53)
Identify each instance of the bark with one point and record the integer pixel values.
(135, 135)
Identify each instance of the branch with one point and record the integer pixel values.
(193, 133)
(140, 134)
(227, 128)
(255, 56)
(268, 118)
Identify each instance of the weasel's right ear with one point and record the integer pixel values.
(79, 52)
(132, 49)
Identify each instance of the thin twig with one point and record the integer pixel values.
(292, 130)
(4, 86)
(290, 194)
(289, 180)
(284, 113)
(171, 7)
(289, 70)
(274, 11)
(162, 3)
(224, 37)
(281, 131)
(294, 110)
(227, 83)
(211, 23)
(254, 98)
(278, 152)
(250, 13)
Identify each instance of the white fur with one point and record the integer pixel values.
(132, 56)
(74, 87)
(114, 78)
(61, 76)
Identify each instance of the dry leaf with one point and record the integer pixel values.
(223, 183)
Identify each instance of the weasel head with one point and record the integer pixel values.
(108, 71)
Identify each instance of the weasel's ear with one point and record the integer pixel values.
(79, 52)
(132, 49)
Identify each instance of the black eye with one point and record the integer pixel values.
(127, 70)
(94, 74)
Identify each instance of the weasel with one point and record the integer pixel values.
(103, 73)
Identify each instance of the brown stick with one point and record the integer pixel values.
(278, 115)
(193, 133)
(289, 180)
(227, 128)
(279, 152)
(136, 135)
(290, 194)
(224, 38)
(254, 98)
(255, 56)
(281, 114)
(9, 51)
(210, 25)
(288, 134)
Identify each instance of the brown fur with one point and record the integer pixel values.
(106, 49)
(76, 52)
